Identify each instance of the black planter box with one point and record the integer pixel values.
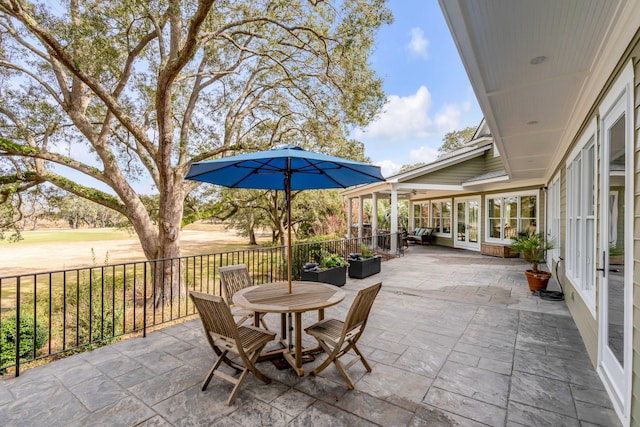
(364, 268)
(336, 276)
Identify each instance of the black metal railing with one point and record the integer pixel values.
(56, 312)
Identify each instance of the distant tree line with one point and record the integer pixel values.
(45, 204)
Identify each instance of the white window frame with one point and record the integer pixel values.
(618, 384)
(581, 223)
(418, 221)
(503, 196)
(554, 217)
(438, 231)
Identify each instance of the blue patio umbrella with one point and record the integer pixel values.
(286, 168)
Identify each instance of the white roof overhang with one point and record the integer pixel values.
(398, 182)
(537, 68)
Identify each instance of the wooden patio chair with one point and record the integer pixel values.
(337, 338)
(232, 279)
(226, 337)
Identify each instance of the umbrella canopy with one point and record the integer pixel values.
(268, 169)
(286, 168)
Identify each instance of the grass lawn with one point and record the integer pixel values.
(62, 236)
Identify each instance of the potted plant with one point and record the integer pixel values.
(364, 264)
(331, 269)
(533, 247)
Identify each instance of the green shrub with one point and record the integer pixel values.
(366, 252)
(333, 260)
(29, 343)
(94, 313)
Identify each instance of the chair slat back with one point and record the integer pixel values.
(215, 315)
(359, 311)
(234, 278)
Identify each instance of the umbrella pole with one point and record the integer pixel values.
(288, 200)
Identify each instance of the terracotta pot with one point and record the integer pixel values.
(537, 281)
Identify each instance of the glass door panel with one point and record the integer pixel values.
(467, 225)
(473, 210)
(462, 223)
(616, 276)
(616, 242)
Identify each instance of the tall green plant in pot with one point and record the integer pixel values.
(533, 247)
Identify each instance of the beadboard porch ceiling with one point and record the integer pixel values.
(533, 66)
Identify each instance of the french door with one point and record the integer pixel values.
(467, 226)
(616, 237)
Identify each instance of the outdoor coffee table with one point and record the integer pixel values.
(274, 298)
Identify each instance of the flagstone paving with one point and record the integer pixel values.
(454, 338)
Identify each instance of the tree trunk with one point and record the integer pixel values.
(252, 236)
(168, 280)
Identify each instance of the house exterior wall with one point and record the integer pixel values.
(635, 386)
(492, 162)
(585, 319)
(453, 175)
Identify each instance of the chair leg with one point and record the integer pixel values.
(264, 324)
(235, 390)
(255, 371)
(343, 371)
(250, 368)
(362, 359)
(331, 354)
(221, 357)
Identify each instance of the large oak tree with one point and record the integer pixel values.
(139, 90)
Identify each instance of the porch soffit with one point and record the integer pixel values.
(529, 107)
(402, 182)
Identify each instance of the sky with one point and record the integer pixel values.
(428, 91)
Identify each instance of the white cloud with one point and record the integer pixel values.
(403, 117)
(388, 167)
(448, 119)
(423, 154)
(407, 118)
(418, 45)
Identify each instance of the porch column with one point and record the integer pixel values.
(349, 215)
(394, 220)
(374, 219)
(411, 216)
(360, 217)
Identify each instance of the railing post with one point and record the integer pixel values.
(144, 301)
(18, 327)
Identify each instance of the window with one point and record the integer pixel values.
(420, 215)
(441, 216)
(509, 213)
(581, 232)
(435, 214)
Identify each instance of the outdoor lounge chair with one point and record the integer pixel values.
(427, 237)
(232, 279)
(337, 338)
(416, 237)
(226, 337)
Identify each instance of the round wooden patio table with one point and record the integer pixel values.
(274, 298)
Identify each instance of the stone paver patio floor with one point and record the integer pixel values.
(454, 338)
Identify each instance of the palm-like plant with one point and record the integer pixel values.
(532, 246)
